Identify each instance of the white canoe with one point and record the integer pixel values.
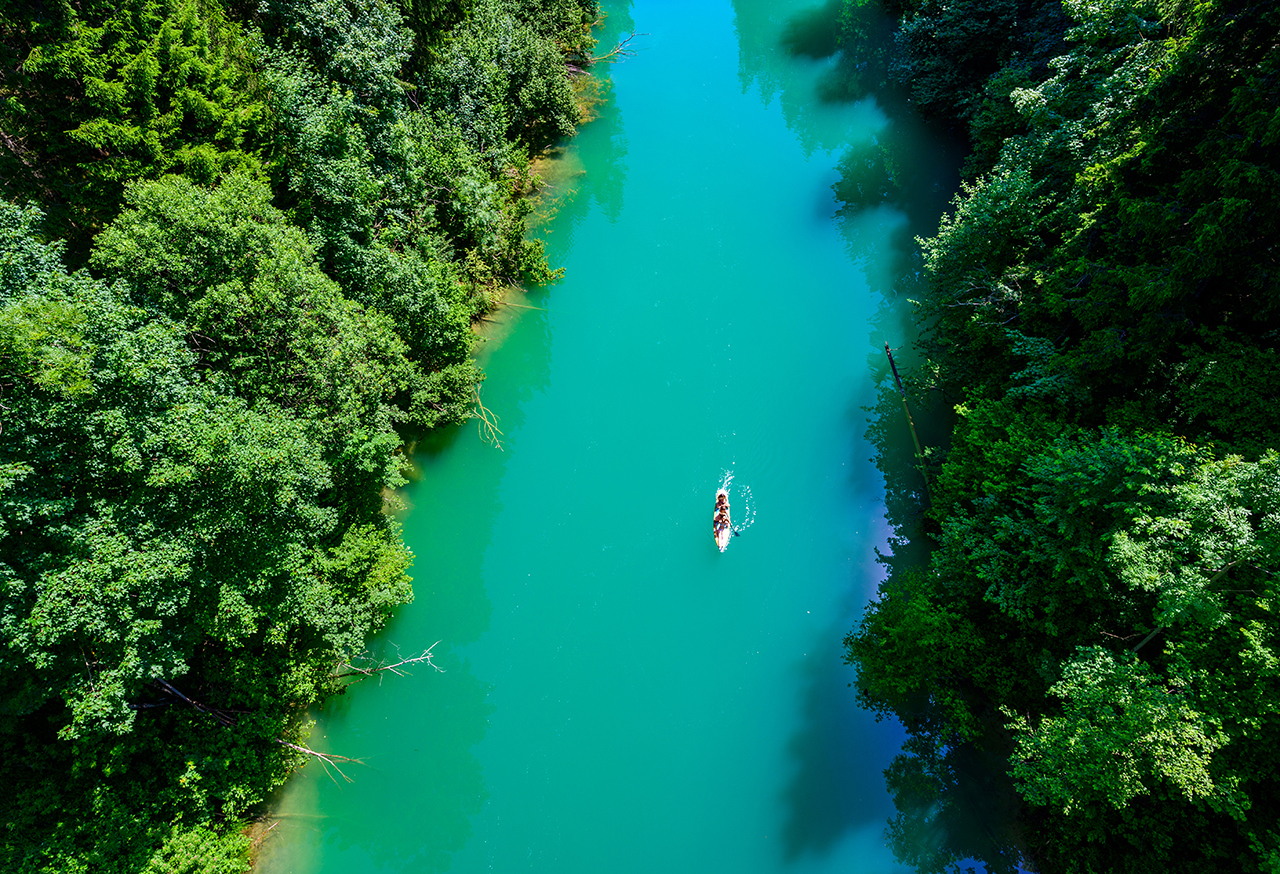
(721, 531)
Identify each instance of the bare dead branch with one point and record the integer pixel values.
(488, 424)
(221, 715)
(1147, 639)
(396, 668)
(326, 760)
(621, 51)
(87, 668)
(263, 835)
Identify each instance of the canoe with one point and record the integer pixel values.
(721, 527)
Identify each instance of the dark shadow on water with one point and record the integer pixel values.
(814, 33)
(838, 752)
(956, 807)
(909, 168)
(423, 447)
(815, 60)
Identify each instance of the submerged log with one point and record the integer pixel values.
(906, 408)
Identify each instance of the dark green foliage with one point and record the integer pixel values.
(960, 62)
(1099, 607)
(949, 55)
(173, 520)
(286, 242)
(503, 81)
(98, 94)
(356, 46)
(431, 21)
(415, 213)
(262, 315)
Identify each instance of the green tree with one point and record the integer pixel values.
(99, 94)
(182, 571)
(504, 83)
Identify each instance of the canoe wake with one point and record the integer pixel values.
(722, 525)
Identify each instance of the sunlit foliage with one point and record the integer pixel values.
(261, 235)
(1102, 302)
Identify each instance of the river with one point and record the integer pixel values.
(616, 694)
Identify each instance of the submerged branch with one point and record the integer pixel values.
(621, 51)
(423, 657)
(488, 424)
(326, 759)
(906, 407)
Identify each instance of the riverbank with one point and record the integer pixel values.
(609, 675)
(1099, 517)
(284, 247)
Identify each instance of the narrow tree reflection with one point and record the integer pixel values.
(954, 801)
(955, 805)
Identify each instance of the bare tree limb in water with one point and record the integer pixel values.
(396, 668)
(326, 760)
(621, 51)
(488, 424)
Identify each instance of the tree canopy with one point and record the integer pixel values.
(1098, 606)
(241, 250)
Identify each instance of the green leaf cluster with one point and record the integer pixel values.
(189, 509)
(96, 95)
(263, 233)
(1098, 607)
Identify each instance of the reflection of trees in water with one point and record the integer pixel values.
(906, 169)
(856, 37)
(812, 59)
(954, 801)
(617, 21)
(600, 150)
(823, 799)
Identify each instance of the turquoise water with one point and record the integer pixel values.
(617, 695)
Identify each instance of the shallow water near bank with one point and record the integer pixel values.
(617, 694)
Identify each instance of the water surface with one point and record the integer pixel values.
(617, 695)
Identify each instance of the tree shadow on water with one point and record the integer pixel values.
(955, 805)
(839, 754)
(818, 61)
(814, 33)
(858, 38)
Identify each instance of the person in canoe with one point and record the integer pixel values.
(721, 527)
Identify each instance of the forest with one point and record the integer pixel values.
(1078, 620)
(241, 249)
